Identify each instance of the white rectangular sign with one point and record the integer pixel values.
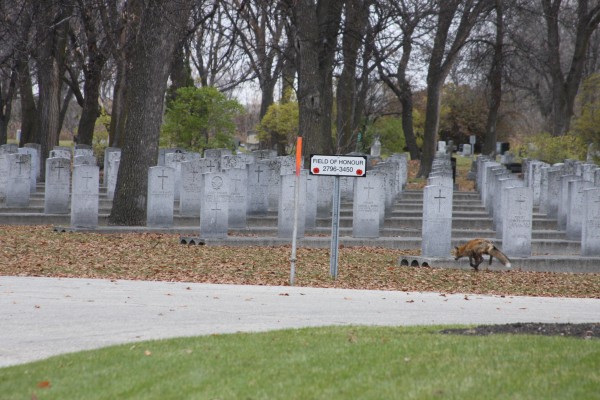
(338, 165)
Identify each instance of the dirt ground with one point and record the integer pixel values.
(583, 331)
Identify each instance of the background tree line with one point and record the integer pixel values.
(412, 70)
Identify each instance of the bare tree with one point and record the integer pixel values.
(259, 25)
(464, 15)
(355, 25)
(411, 18)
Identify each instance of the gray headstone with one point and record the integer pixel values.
(590, 231)
(285, 215)
(83, 152)
(38, 147)
(190, 196)
(174, 160)
(274, 176)
(18, 186)
(216, 153)
(575, 211)
(113, 174)
(214, 210)
(58, 186)
(498, 206)
(3, 178)
(367, 206)
(310, 206)
(108, 157)
(84, 196)
(210, 165)
(551, 192)
(84, 160)
(258, 189)
(260, 155)
(563, 200)
(324, 196)
(161, 192)
(61, 152)
(437, 221)
(238, 196)
(34, 166)
(517, 221)
(9, 148)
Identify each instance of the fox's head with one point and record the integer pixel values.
(456, 253)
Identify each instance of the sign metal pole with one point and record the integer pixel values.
(296, 200)
(335, 228)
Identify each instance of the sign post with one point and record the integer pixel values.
(296, 199)
(336, 166)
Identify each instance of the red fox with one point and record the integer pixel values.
(475, 249)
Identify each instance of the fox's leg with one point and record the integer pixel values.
(474, 264)
(491, 256)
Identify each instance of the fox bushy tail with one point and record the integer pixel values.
(500, 256)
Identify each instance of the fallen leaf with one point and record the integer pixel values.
(44, 385)
(147, 353)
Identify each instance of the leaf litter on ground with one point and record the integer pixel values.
(39, 251)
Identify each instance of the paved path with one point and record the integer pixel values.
(41, 317)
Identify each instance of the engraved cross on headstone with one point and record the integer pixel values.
(21, 162)
(162, 179)
(87, 177)
(439, 197)
(369, 188)
(210, 166)
(258, 171)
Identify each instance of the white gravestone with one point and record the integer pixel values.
(161, 190)
(563, 199)
(551, 190)
(310, 207)
(84, 160)
(39, 160)
(285, 215)
(174, 161)
(18, 186)
(437, 221)
(214, 210)
(503, 183)
(108, 156)
(575, 211)
(191, 189)
(258, 189)
(34, 166)
(366, 207)
(517, 221)
(58, 186)
(84, 196)
(274, 176)
(324, 196)
(590, 231)
(238, 196)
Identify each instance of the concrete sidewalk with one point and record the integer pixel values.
(42, 317)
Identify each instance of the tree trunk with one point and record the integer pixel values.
(7, 91)
(318, 26)
(50, 70)
(491, 135)
(118, 111)
(160, 28)
(442, 58)
(357, 12)
(29, 115)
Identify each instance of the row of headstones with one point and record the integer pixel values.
(225, 191)
(568, 192)
(20, 170)
(256, 184)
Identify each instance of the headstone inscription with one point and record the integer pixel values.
(84, 196)
(58, 186)
(214, 210)
(437, 221)
(590, 231)
(161, 192)
(517, 221)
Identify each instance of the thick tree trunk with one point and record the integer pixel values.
(29, 115)
(50, 71)
(160, 29)
(355, 23)
(118, 112)
(491, 135)
(318, 26)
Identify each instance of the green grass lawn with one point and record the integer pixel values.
(320, 363)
